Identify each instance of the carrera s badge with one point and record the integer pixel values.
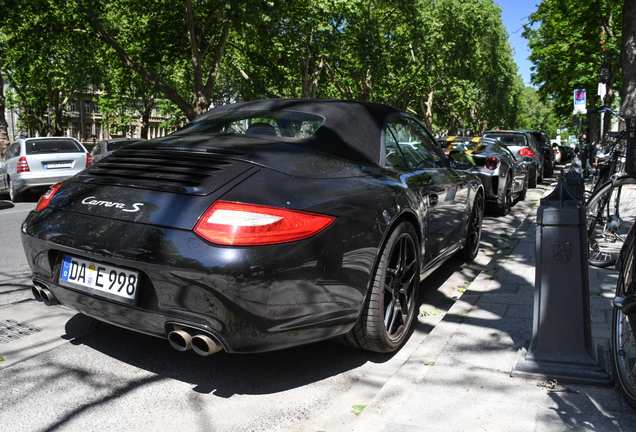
(91, 201)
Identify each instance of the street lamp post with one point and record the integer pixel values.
(217, 100)
(604, 73)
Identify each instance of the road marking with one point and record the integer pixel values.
(15, 211)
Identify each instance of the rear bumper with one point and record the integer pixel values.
(252, 299)
(23, 182)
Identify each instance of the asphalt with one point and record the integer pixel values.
(458, 376)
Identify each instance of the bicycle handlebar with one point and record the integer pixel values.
(604, 109)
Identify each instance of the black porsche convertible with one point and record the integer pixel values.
(259, 226)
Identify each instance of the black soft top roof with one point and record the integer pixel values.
(352, 130)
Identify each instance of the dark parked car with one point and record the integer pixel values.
(546, 148)
(106, 147)
(34, 164)
(258, 226)
(567, 153)
(503, 177)
(522, 145)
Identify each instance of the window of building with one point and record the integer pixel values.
(74, 130)
(87, 107)
(72, 106)
(65, 131)
(95, 107)
(88, 131)
(98, 130)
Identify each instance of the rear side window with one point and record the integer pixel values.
(52, 146)
(272, 123)
(111, 147)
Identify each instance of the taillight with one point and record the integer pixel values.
(44, 200)
(492, 163)
(89, 160)
(23, 166)
(239, 224)
(526, 151)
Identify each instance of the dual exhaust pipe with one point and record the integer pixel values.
(44, 295)
(184, 338)
(181, 338)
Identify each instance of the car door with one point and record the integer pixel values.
(12, 150)
(444, 190)
(516, 167)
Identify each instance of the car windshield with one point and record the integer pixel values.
(469, 146)
(508, 139)
(459, 146)
(272, 123)
(52, 146)
(110, 147)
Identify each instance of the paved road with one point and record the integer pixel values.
(78, 375)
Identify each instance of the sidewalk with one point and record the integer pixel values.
(458, 378)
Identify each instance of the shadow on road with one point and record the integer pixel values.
(228, 374)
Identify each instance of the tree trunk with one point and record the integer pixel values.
(145, 120)
(628, 59)
(4, 131)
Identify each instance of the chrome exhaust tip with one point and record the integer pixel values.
(180, 340)
(44, 295)
(35, 290)
(204, 345)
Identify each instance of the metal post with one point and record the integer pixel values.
(562, 347)
(574, 178)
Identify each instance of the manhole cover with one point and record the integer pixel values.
(11, 330)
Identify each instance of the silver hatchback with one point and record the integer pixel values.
(37, 163)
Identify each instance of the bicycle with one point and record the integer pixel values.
(624, 311)
(610, 212)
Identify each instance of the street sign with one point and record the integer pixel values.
(580, 102)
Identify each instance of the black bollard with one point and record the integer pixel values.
(574, 178)
(562, 347)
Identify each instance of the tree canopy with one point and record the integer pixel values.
(569, 40)
(448, 62)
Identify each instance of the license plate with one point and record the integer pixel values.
(53, 165)
(97, 278)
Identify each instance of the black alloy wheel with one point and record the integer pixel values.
(473, 237)
(503, 207)
(386, 320)
(532, 181)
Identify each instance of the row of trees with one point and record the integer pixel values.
(569, 41)
(448, 61)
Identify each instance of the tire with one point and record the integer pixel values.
(524, 191)
(390, 307)
(473, 236)
(503, 206)
(623, 326)
(610, 213)
(14, 196)
(532, 182)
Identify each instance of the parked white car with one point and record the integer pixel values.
(37, 163)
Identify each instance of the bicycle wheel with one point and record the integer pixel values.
(624, 325)
(610, 213)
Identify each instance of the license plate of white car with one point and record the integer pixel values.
(100, 279)
(53, 165)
